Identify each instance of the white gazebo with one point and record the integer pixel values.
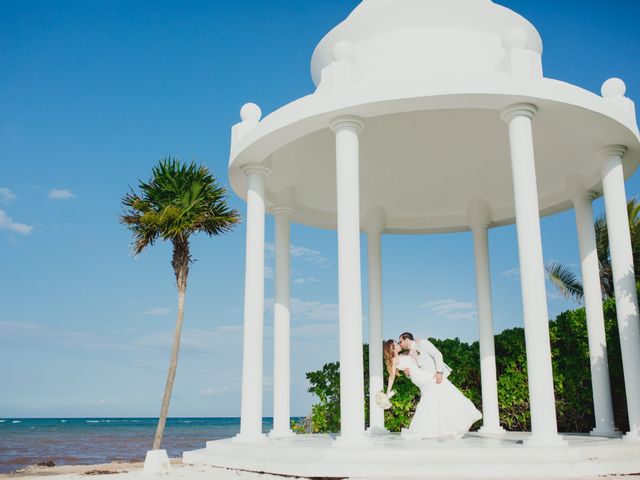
(434, 116)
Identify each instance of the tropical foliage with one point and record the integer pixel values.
(571, 371)
(566, 281)
(178, 201)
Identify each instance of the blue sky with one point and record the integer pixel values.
(92, 94)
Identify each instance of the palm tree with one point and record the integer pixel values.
(566, 280)
(178, 201)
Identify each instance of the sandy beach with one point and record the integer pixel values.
(131, 471)
(126, 471)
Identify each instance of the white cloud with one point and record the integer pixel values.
(315, 330)
(61, 194)
(226, 337)
(215, 391)
(10, 330)
(304, 310)
(7, 327)
(469, 315)
(309, 255)
(6, 195)
(303, 280)
(269, 250)
(104, 401)
(302, 253)
(452, 309)
(157, 311)
(268, 273)
(514, 272)
(7, 223)
(313, 310)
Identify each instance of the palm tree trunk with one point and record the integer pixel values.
(181, 268)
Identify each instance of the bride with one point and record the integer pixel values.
(443, 411)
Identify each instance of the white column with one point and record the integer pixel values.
(601, 385)
(624, 282)
(281, 327)
(374, 229)
(479, 222)
(251, 404)
(544, 429)
(347, 131)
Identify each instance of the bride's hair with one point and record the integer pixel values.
(389, 353)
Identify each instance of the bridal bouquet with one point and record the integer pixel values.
(383, 400)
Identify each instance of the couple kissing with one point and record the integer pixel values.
(443, 412)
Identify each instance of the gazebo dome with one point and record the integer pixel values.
(429, 80)
(398, 40)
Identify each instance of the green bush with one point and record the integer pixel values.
(571, 372)
(403, 403)
(513, 390)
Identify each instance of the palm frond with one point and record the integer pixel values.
(179, 200)
(565, 281)
(606, 280)
(602, 238)
(602, 244)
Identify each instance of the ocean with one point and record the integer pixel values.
(85, 441)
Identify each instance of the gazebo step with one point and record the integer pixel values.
(394, 468)
(391, 456)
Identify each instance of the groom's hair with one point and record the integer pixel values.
(406, 336)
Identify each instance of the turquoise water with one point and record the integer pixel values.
(70, 441)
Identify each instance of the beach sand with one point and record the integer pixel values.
(133, 471)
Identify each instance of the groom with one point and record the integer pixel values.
(427, 356)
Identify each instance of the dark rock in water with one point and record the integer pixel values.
(101, 472)
(48, 463)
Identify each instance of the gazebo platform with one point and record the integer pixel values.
(389, 456)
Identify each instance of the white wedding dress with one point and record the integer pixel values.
(443, 411)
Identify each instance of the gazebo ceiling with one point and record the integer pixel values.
(424, 165)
